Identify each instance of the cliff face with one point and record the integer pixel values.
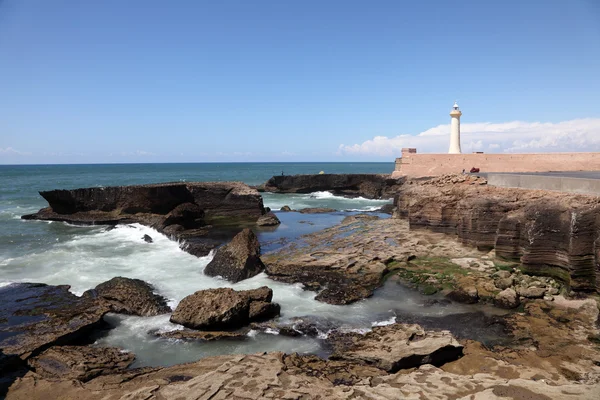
(371, 186)
(186, 211)
(555, 234)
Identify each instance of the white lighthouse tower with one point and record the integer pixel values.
(455, 130)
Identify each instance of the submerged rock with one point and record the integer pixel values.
(316, 210)
(34, 316)
(147, 239)
(80, 362)
(130, 296)
(285, 208)
(206, 336)
(237, 260)
(224, 308)
(397, 346)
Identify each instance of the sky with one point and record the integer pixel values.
(314, 80)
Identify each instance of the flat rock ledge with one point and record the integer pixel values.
(192, 213)
(225, 309)
(130, 296)
(395, 347)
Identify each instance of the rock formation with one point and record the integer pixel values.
(395, 347)
(549, 233)
(130, 296)
(269, 219)
(371, 186)
(34, 316)
(186, 211)
(225, 308)
(238, 259)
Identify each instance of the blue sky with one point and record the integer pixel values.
(328, 80)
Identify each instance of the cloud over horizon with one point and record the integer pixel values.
(508, 137)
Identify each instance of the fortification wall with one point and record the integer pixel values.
(419, 165)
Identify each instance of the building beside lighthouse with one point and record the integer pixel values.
(414, 164)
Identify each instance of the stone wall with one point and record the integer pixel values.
(418, 165)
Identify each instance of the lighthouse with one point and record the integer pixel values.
(455, 130)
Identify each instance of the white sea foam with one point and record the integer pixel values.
(390, 321)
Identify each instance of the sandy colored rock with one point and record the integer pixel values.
(507, 299)
(238, 259)
(130, 296)
(397, 346)
(80, 362)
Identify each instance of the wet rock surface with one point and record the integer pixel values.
(34, 316)
(370, 186)
(238, 259)
(185, 211)
(269, 219)
(130, 296)
(193, 335)
(316, 210)
(396, 346)
(224, 309)
(80, 362)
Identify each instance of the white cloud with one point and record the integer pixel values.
(508, 137)
(10, 150)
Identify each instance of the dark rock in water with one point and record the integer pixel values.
(344, 294)
(285, 208)
(313, 325)
(316, 210)
(224, 308)
(269, 219)
(387, 208)
(34, 316)
(267, 209)
(184, 211)
(130, 296)
(80, 362)
(261, 310)
(371, 186)
(409, 346)
(237, 260)
(147, 239)
(193, 335)
(437, 302)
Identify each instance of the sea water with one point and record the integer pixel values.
(83, 257)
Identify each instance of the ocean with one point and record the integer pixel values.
(83, 257)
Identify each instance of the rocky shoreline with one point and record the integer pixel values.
(530, 254)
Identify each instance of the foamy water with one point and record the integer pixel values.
(83, 257)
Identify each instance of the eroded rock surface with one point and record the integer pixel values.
(371, 186)
(224, 308)
(80, 362)
(130, 296)
(397, 346)
(549, 233)
(34, 316)
(238, 259)
(189, 212)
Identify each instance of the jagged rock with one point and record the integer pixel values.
(80, 362)
(186, 212)
(224, 308)
(285, 208)
(316, 210)
(397, 346)
(467, 295)
(531, 292)
(261, 310)
(130, 296)
(192, 335)
(269, 219)
(237, 260)
(34, 316)
(503, 283)
(507, 299)
(147, 238)
(371, 186)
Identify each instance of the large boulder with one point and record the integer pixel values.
(34, 316)
(397, 346)
(224, 308)
(507, 298)
(269, 219)
(237, 260)
(80, 362)
(130, 296)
